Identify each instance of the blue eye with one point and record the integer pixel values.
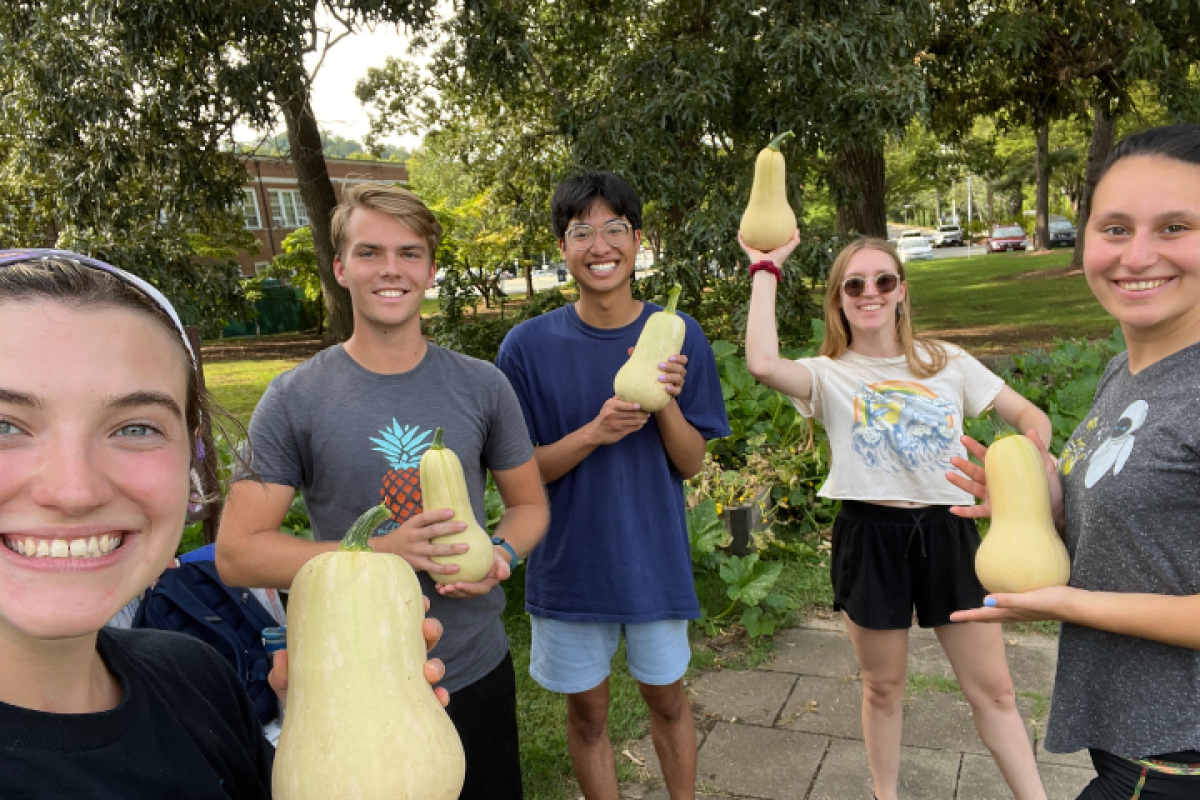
(138, 430)
(7, 428)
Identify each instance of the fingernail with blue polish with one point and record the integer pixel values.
(990, 602)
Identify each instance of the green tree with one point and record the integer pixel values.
(101, 152)
(1028, 63)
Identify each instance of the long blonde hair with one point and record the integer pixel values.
(924, 361)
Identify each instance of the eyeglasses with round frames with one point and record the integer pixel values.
(885, 282)
(616, 233)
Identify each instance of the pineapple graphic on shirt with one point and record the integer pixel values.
(403, 447)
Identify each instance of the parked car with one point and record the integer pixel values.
(1006, 237)
(914, 234)
(1062, 232)
(913, 248)
(948, 236)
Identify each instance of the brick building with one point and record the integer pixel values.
(272, 207)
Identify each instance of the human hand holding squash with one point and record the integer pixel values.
(768, 221)
(972, 478)
(776, 256)
(616, 420)
(361, 720)
(434, 669)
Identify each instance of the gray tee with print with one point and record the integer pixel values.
(350, 439)
(1131, 482)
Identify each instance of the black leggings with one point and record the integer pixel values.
(485, 715)
(1119, 779)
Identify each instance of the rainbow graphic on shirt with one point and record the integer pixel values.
(902, 425)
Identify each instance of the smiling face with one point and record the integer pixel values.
(387, 267)
(94, 460)
(872, 311)
(1142, 250)
(601, 268)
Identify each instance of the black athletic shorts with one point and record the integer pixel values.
(485, 715)
(887, 560)
(1119, 779)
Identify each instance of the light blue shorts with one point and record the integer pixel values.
(572, 657)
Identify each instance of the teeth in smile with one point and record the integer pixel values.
(872, 307)
(603, 269)
(91, 547)
(391, 293)
(1141, 286)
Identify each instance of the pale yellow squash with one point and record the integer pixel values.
(768, 221)
(443, 485)
(1022, 550)
(361, 721)
(662, 337)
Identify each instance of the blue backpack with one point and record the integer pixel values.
(192, 599)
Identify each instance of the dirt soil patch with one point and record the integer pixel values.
(292, 346)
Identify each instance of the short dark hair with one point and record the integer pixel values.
(575, 197)
(1177, 142)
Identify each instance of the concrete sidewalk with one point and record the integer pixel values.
(791, 728)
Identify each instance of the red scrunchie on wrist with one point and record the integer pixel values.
(768, 266)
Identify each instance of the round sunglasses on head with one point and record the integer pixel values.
(884, 282)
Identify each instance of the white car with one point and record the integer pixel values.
(913, 248)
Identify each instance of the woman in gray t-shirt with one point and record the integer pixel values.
(1126, 491)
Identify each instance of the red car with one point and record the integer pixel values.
(1006, 237)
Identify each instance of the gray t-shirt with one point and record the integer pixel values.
(350, 439)
(1131, 481)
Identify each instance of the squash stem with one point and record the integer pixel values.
(437, 440)
(672, 300)
(363, 527)
(778, 140)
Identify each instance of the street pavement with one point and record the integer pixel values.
(790, 729)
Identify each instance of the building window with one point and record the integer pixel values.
(287, 209)
(259, 266)
(250, 210)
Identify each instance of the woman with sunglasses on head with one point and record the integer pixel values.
(1126, 491)
(893, 404)
(100, 409)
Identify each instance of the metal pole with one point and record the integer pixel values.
(968, 210)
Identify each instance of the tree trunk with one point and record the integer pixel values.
(991, 204)
(1104, 129)
(1041, 237)
(858, 183)
(308, 158)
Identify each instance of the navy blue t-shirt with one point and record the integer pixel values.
(617, 546)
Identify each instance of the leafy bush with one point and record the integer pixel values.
(1060, 380)
(480, 335)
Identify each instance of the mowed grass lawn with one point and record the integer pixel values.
(1005, 302)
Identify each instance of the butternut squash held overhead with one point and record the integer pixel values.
(661, 338)
(1022, 550)
(769, 221)
(362, 722)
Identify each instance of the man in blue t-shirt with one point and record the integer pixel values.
(615, 560)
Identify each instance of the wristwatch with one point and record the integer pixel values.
(498, 541)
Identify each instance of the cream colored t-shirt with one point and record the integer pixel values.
(892, 434)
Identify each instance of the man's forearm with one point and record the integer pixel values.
(556, 460)
(683, 443)
(267, 559)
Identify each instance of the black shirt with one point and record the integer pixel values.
(184, 729)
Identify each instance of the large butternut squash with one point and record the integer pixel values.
(1022, 551)
(769, 221)
(362, 722)
(443, 485)
(661, 338)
